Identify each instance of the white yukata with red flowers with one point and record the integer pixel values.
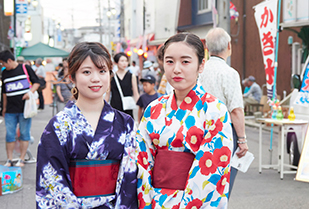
(201, 126)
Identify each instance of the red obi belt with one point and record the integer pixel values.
(171, 169)
(94, 178)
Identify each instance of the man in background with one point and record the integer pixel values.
(254, 94)
(222, 81)
(40, 72)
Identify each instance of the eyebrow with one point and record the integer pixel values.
(185, 56)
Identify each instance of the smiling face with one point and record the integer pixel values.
(91, 81)
(181, 66)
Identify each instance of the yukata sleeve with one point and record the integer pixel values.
(145, 163)
(208, 181)
(53, 184)
(126, 191)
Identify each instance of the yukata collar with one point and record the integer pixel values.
(189, 101)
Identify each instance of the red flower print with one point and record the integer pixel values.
(194, 137)
(155, 111)
(174, 103)
(216, 128)
(221, 157)
(142, 159)
(189, 101)
(141, 202)
(208, 98)
(153, 204)
(176, 206)
(206, 164)
(177, 142)
(168, 122)
(194, 204)
(222, 183)
(167, 191)
(155, 138)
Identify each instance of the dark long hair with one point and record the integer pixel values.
(190, 39)
(98, 54)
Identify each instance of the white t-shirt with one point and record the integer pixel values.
(223, 82)
(40, 71)
(134, 70)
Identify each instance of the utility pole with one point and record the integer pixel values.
(109, 28)
(224, 17)
(100, 21)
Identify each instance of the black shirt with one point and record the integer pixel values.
(15, 85)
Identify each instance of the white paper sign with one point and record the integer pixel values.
(242, 164)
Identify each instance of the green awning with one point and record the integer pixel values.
(41, 50)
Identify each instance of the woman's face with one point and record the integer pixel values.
(91, 81)
(65, 67)
(122, 63)
(181, 66)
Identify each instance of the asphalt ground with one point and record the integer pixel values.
(251, 189)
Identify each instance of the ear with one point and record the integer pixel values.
(70, 77)
(201, 67)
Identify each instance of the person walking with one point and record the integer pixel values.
(63, 87)
(127, 82)
(40, 72)
(222, 81)
(86, 155)
(185, 138)
(15, 88)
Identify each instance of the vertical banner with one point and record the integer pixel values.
(266, 20)
(303, 94)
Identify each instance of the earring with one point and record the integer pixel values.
(74, 90)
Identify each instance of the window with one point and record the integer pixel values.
(204, 6)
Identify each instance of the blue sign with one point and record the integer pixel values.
(303, 95)
(21, 8)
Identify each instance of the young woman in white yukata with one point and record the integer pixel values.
(185, 138)
(86, 155)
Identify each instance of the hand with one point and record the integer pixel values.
(26, 96)
(3, 112)
(61, 99)
(243, 150)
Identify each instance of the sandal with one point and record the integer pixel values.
(20, 163)
(8, 163)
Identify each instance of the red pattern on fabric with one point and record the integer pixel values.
(155, 111)
(217, 129)
(206, 164)
(189, 101)
(208, 98)
(222, 183)
(176, 206)
(167, 191)
(194, 138)
(142, 159)
(222, 156)
(141, 202)
(196, 203)
(177, 142)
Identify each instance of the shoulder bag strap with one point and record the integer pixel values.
(118, 85)
(26, 73)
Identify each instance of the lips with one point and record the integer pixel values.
(95, 88)
(177, 79)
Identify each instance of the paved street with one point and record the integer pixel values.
(251, 190)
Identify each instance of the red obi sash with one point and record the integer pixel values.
(171, 169)
(93, 178)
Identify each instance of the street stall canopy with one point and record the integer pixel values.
(41, 50)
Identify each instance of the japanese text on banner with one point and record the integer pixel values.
(266, 20)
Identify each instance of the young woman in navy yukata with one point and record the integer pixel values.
(86, 155)
(185, 138)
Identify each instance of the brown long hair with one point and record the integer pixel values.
(98, 54)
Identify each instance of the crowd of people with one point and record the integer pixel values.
(94, 154)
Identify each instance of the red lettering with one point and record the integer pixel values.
(269, 71)
(306, 88)
(267, 15)
(268, 44)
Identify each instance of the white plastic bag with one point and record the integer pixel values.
(128, 103)
(30, 108)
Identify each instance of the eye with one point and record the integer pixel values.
(87, 72)
(103, 71)
(186, 61)
(169, 61)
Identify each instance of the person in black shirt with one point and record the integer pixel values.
(15, 88)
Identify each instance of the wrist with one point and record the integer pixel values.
(242, 137)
